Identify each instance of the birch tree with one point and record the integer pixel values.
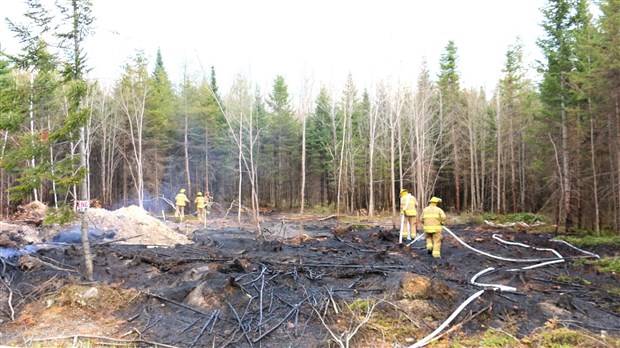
(133, 92)
(425, 136)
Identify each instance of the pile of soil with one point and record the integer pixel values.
(33, 212)
(133, 225)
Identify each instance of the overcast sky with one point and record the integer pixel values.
(324, 40)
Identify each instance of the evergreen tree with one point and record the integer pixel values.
(279, 143)
(160, 107)
(35, 101)
(320, 146)
(606, 77)
(562, 19)
(219, 156)
(451, 110)
(77, 14)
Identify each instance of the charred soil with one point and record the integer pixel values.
(307, 282)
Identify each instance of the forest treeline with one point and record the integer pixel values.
(550, 146)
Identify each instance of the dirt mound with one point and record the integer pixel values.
(33, 212)
(135, 226)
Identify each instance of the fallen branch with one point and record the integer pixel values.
(43, 263)
(10, 299)
(117, 240)
(176, 303)
(95, 337)
(273, 328)
(328, 217)
(214, 315)
(245, 333)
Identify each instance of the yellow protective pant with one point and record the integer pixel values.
(433, 243)
(201, 212)
(409, 227)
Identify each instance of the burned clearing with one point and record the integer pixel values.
(308, 282)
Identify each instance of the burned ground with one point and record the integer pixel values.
(304, 284)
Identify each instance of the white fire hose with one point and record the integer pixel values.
(499, 287)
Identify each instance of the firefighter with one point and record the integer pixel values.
(409, 211)
(180, 201)
(201, 203)
(433, 219)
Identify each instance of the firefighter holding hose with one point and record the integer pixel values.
(433, 219)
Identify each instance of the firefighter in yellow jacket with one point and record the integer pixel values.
(409, 210)
(180, 200)
(433, 219)
(201, 203)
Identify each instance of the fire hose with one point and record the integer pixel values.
(498, 287)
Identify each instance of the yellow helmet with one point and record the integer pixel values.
(182, 191)
(434, 200)
(403, 192)
(199, 193)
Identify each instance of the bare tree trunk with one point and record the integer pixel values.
(188, 180)
(341, 162)
(499, 154)
(457, 171)
(3, 212)
(304, 111)
(597, 211)
(240, 157)
(511, 148)
(616, 148)
(88, 258)
(392, 169)
(52, 169)
(372, 128)
(206, 159)
(566, 171)
(31, 114)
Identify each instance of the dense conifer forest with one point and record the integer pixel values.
(547, 147)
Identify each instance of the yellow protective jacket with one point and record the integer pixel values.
(433, 218)
(408, 205)
(200, 202)
(181, 199)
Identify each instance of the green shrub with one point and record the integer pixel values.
(562, 338)
(60, 216)
(323, 209)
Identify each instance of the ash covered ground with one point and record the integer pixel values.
(311, 281)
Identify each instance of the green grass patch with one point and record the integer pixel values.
(490, 338)
(608, 265)
(528, 218)
(493, 338)
(591, 240)
(605, 265)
